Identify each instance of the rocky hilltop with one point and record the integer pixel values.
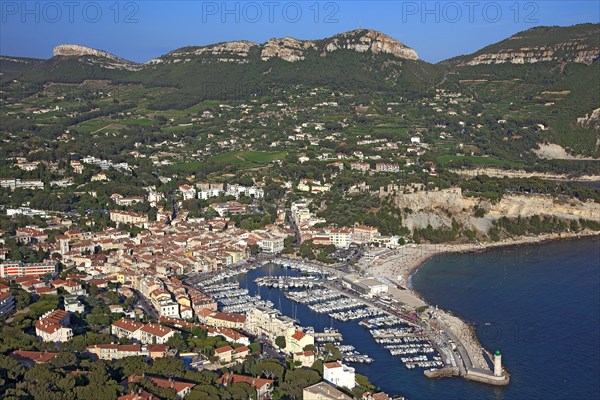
(293, 50)
(574, 44)
(106, 60)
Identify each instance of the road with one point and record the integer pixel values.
(146, 306)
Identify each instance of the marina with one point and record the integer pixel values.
(305, 285)
(370, 332)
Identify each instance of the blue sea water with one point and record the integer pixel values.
(539, 304)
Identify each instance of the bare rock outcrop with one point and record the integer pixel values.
(288, 49)
(570, 51)
(291, 49)
(370, 40)
(107, 60)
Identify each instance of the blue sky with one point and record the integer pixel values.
(142, 30)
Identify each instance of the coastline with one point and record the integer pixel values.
(400, 265)
(409, 259)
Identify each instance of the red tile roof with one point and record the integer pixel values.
(157, 330)
(140, 395)
(223, 349)
(298, 335)
(241, 349)
(237, 318)
(256, 383)
(39, 357)
(178, 386)
(128, 324)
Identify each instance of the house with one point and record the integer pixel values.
(139, 395)
(313, 186)
(53, 326)
(116, 308)
(72, 304)
(305, 358)
(30, 358)
(30, 235)
(240, 353)
(117, 351)
(296, 341)
(225, 354)
(101, 176)
(158, 350)
(77, 166)
(70, 286)
(263, 387)
(187, 192)
(181, 388)
(323, 391)
(186, 312)
(127, 328)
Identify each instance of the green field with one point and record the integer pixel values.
(96, 124)
(187, 168)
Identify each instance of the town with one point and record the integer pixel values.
(159, 240)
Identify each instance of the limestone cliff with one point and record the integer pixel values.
(554, 44)
(236, 52)
(291, 49)
(439, 207)
(369, 40)
(100, 57)
(565, 52)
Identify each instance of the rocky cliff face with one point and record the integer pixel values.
(570, 44)
(100, 57)
(438, 208)
(288, 49)
(369, 40)
(565, 52)
(291, 49)
(236, 52)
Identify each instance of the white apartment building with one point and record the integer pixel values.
(341, 238)
(339, 374)
(271, 244)
(53, 326)
(167, 308)
(155, 334)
